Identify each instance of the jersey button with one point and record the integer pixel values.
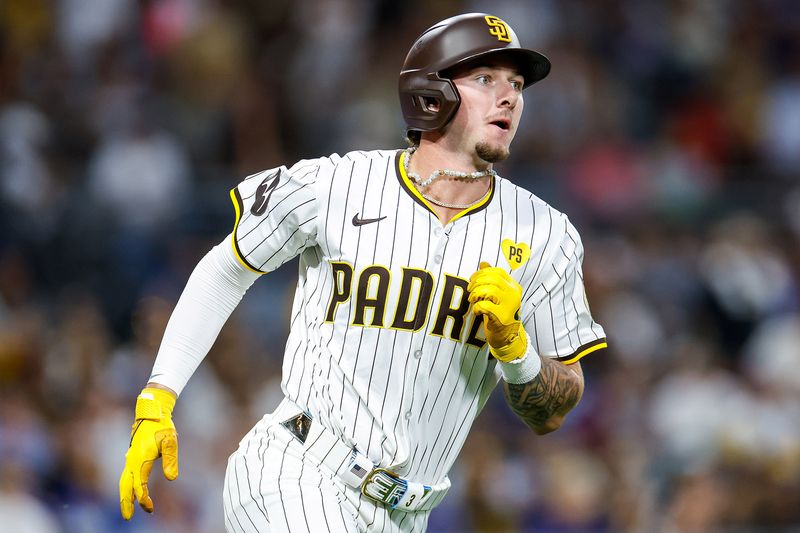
(418, 354)
(408, 415)
(437, 259)
(437, 232)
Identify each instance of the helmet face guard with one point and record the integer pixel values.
(450, 43)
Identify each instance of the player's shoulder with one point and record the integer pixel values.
(540, 211)
(364, 155)
(327, 166)
(348, 158)
(510, 192)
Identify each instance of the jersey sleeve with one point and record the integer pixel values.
(557, 315)
(276, 215)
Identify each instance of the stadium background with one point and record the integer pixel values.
(668, 130)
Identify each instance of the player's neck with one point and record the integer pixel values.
(449, 195)
(431, 156)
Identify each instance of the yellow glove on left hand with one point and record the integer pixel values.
(153, 436)
(497, 297)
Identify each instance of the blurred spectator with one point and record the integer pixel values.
(140, 175)
(781, 123)
(85, 25)
(20, 511)
(24, 131)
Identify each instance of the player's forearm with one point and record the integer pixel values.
(543, 402)
(212, 292)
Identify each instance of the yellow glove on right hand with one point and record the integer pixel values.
(153, 436)
(497, 297)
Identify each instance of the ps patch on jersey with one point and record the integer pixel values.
(516, 253)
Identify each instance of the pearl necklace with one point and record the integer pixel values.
(446, 172)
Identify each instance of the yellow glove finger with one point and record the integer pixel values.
(484, 269)
(482, 266)
(140, 477)
(485, 292)
(500, 285)
(498, 275)
(494, 276)
(126, 493)
(168, 442)
(502, 312)
(488, 310)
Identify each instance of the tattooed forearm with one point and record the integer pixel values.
(543, 402)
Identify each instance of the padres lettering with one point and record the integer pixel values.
(498, 28)
(371, 294)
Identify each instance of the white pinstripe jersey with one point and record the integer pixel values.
(383, 347)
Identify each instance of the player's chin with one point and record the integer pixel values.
(492, 152)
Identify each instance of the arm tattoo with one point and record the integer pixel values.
(546, 399)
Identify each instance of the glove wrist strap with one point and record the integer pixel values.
(154, 404)
(516, 347)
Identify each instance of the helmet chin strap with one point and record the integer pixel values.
(446, 172)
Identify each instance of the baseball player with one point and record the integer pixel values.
(424, 280)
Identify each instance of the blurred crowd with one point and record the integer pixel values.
(669, 131)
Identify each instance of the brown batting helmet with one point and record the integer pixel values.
(452, 42)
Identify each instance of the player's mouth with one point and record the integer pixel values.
(501, 123)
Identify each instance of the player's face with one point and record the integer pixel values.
(491, 106)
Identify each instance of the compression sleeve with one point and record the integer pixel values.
(213, 291)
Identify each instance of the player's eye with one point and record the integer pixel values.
(517, 85)
(483, 79)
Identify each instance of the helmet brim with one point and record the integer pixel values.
(532, 65)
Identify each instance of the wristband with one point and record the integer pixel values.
(522, 370)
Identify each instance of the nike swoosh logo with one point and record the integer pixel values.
(361, 221)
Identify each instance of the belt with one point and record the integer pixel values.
(357, 471)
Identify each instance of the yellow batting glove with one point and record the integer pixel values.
(153, 436)
(497, 297)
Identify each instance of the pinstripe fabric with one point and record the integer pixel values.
(404, 395)
(270, 486)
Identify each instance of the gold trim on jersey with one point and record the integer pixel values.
(237, 206)
(583, 351)
(411, 189)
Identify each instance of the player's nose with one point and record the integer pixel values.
(508, 96)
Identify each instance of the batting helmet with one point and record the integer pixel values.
(452, 42)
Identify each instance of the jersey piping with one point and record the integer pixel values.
(586, 349)
(238, 206)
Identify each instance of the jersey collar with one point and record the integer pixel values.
(408, 186)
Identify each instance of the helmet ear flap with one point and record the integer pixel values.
(429, 103)
(416, 93)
